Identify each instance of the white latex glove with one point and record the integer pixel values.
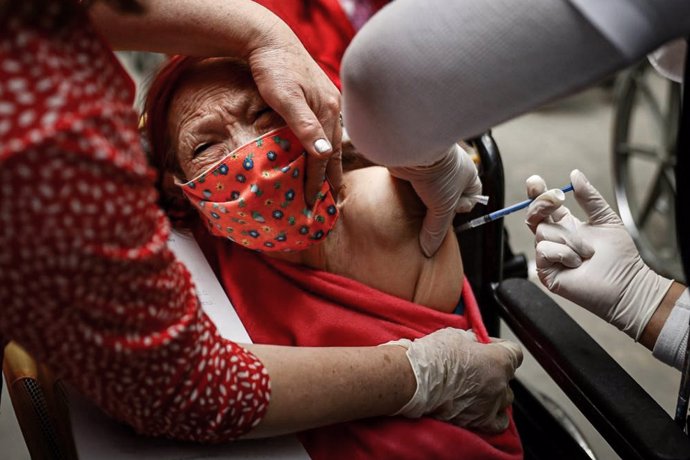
(446, 187)
(460, 380)
(594, 263)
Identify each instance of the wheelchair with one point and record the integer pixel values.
(643, 147)
(628, 418)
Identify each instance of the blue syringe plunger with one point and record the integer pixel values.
(502, 212)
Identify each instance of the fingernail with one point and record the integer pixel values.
(425, 248)
(577, 172)
(535, 186)
(322, 146)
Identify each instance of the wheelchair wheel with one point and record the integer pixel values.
(645, 126)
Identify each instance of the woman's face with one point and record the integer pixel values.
(216, 109)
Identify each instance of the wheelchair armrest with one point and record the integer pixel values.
(622, 411)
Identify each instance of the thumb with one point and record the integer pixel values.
(312, 135)
(535, 186)
(590, 200)
(434, 229)
(302, 120)
(470, 196)
(544, 206)
(512, 351)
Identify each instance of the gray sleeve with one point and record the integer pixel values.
(672, 342)
(632, 24)
(422, 75)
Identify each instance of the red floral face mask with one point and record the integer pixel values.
(254, 196)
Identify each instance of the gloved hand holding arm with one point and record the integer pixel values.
(446, 375)
(446, 187)
(460, 380)
(595, 263)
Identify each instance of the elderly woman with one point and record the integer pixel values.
(228, 152)
(372, 226)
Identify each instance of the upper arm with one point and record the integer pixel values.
(87, 282)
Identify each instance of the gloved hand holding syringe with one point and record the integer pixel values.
(557, 194)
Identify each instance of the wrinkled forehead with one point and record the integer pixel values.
(231, 73)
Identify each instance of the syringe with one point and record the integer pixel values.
(502, 212)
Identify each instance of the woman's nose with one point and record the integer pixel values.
(243, 134)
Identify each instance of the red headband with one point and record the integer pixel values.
(157, 105)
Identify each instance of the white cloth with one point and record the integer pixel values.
(357, 11)
(671, 345)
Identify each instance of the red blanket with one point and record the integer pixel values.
(281, 303)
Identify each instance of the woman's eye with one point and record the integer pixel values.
(201, 148)
(267, 118)
(262, 112)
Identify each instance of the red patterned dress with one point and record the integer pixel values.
(87, 283)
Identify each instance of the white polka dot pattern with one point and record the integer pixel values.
(87, 283)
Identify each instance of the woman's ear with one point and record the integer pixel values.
(172, 200)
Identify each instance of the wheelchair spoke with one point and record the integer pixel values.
(644, 154)
(672, 117)
(642, 150)
(652, 198)
(669, 177)
(652, 103)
